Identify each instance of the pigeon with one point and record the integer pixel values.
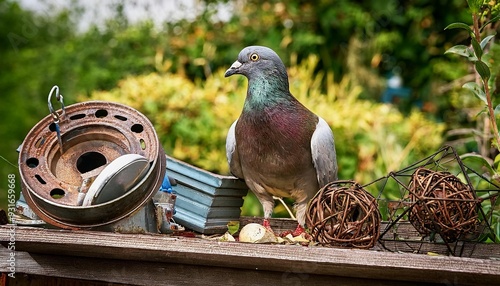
(278, 146)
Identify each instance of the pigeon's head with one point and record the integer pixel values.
(256, 61)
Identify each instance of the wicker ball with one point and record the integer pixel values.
(342, 213)
(441, 204)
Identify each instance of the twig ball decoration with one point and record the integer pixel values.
(441, 204)
(343, 214)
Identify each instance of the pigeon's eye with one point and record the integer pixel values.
(254, 57)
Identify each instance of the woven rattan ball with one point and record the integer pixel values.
(343, 214)
(441, 204)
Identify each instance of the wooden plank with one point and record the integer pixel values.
(279, 258)
(84, 269)
(37, 280)
(408, 241)
(470, 250)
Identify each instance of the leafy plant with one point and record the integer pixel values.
(484, 14)
(476, 53)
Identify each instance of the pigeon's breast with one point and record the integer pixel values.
(275, 145)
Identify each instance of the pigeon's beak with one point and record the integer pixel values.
(233, 69)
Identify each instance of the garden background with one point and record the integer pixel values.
(375, 70)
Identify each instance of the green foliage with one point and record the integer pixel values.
(483, 13)
(486, 192)
(475, 5)
(481, 55)
(192, 120)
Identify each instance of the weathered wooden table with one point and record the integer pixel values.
(102, 258)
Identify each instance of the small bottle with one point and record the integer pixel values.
(166, 200)
(165, 206)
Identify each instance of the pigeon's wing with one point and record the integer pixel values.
(323, 153)
(231, 154)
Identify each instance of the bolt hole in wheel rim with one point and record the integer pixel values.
(94, 134)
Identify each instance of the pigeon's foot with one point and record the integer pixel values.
(267, 225)
(298, 231)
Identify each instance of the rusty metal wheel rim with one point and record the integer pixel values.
(92, 131)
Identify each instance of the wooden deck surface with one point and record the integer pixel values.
(147, 259)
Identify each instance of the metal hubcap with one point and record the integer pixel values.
(93, 134)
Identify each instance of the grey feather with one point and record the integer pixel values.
(324, 160)
(231, 155)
